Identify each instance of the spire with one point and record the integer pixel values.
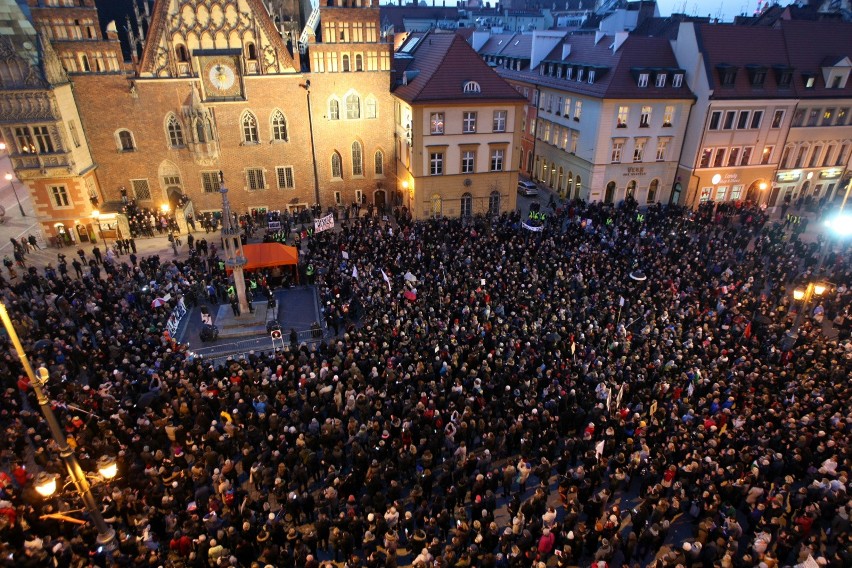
(54, 73)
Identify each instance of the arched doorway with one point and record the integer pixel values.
(559, 182)
(609, 196)
(552, 177)
(466, 205)
(578, 184)
(570, 187)
(379, 199)
(676, 189)
(174, 194)
(437, 207)
(755, 191)
(631, 189)
(494, 203)
(652, 190)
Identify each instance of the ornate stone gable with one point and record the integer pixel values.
(179, 27)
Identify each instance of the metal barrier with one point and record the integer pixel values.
(217, 354)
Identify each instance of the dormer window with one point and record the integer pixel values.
(809, 80)
(472, 87)
(727, 74)
(643, 79)
(591, 76)
(660, 80)
(569, 73)
(757, 75)
(580, 75)
(783, 76)
(835, 72)
(677, 80)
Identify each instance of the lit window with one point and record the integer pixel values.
(668, 116)
(623, 114)
(436, 123)
(645, 117)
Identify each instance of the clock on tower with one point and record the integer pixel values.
(221, 74)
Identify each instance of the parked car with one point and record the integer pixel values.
(527, 188)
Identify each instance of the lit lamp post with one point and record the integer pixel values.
(46, 484)
(805, 296)
(96, 215)
(10, 178)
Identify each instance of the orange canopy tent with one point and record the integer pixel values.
(269, 255)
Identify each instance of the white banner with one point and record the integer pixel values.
(324, 223)
(533, 228)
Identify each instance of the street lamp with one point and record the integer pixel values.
(96, 215)
(307, 86)
(10, 178)
(805, 296)
(44, 486)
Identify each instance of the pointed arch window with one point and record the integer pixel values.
(336, 166)
(380, 163)
(353, 107)
(279, 127)
(333, 110)
(359, 62)
(345, 64)
(357, 159)
(370, 107)
(182, 53)
(249, 123)
(175, 132)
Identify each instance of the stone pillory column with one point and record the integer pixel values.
(234, 257)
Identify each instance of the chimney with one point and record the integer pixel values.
(112, 31)
(620, 38)
(566, 50)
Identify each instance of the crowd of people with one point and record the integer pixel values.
(618, 388)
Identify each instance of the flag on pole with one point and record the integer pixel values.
(345, 255)
(621, 301)
(599, 448)
(410, 295)
(355, 272)
(747, 332)
(386, 279)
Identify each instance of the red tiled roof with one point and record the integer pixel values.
(496, 44)
(738, 46)
(442, 64)
(810, 45)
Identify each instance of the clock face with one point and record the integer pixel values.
(221, 78)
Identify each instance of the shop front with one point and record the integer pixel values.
(812, 186)
(646, 183)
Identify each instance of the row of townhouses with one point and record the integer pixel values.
(719, 113)
(350, 102)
